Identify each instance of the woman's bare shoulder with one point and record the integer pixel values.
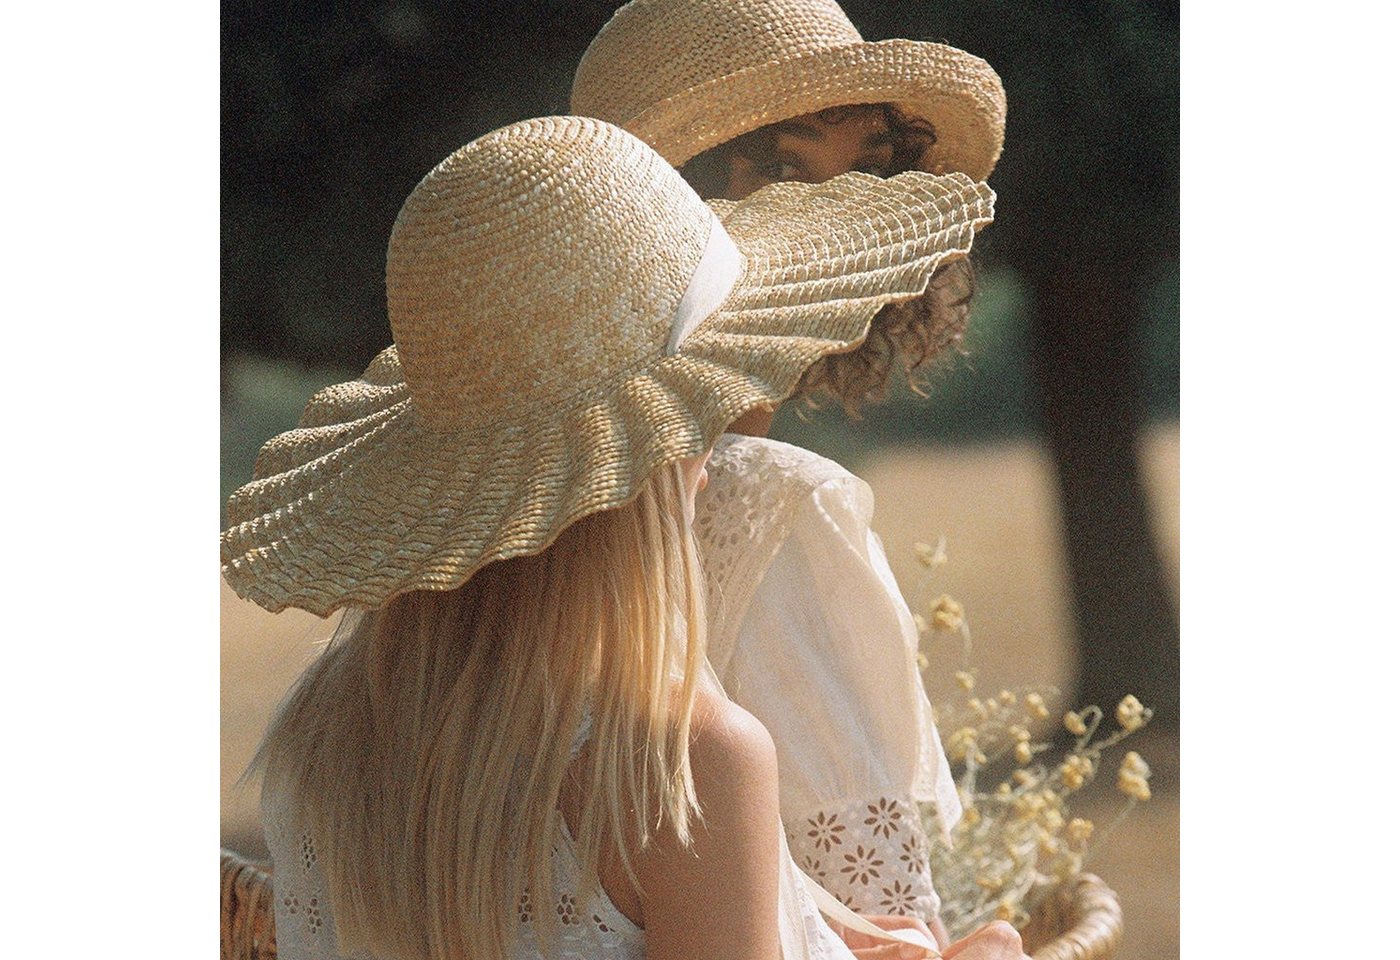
(725, 734)
(733, 761)
(715, 896)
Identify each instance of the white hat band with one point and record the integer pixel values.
(715, 276)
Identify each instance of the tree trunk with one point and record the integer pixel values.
(1085, 359)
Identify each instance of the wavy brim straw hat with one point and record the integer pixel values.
(688, 75)
(567, 316)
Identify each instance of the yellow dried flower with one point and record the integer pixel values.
(1131, 713)
(962, 743)
(1074, 770)
(1015, 834)
(1134, 786)
(1029, 805)
(946, 613)
(921, 661)
(1134, 764)
(1132, 776)
(928, 555)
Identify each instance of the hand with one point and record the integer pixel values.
(995, 941)
(893, 951)
(866, 947)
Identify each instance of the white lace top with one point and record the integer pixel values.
(809, 632)
(587, 925)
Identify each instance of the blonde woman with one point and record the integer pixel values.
(513, 748)
(808, 628)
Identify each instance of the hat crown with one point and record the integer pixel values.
(654, 49)
(542, 262)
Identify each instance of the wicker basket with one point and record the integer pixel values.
(1080, 921)
(245, 910)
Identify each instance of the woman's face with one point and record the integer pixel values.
(814, 148)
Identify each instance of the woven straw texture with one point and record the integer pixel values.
(1081, 920)
(532, 280)
(246, 929)
(688, 75)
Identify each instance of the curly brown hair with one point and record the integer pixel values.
(910, 334)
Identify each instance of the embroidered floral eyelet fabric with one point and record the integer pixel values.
(871, 854)
(587, 927)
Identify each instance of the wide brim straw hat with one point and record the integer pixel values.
(568, 316)
(688, 75)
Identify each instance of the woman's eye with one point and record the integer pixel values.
(781, 170)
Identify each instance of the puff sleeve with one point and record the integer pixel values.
(815, 640)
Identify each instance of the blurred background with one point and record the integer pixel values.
(1046, 456)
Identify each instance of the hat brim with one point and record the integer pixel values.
(958, 93)
(363, 501)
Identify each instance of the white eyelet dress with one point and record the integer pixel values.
(809, 632)
(587, 925)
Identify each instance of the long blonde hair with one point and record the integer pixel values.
(428, 747)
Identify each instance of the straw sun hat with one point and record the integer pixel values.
(567, 317)
(688, 75)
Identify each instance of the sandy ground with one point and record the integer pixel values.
(995, 509)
